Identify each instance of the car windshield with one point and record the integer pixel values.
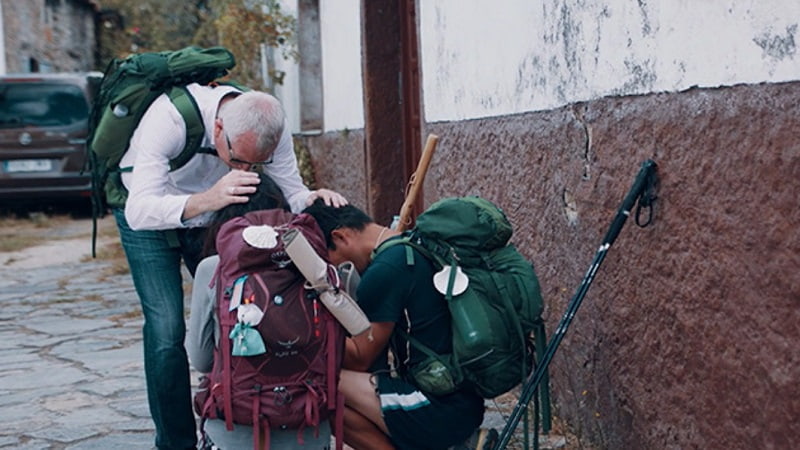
(41, 104)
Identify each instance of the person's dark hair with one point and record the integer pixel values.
(267, 196)
(330, 218)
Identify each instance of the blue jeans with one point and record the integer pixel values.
(155, 265)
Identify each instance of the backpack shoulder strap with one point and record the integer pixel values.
(410, 244)
(195, 129)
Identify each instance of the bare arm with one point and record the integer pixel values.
(362, 350)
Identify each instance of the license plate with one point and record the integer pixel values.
(28, 165)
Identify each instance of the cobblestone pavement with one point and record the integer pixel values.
(71, 366)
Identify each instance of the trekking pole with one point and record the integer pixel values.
(415, 183)
(643, 189)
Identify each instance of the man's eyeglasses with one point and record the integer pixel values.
(235, 160)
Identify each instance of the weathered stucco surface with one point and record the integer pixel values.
(688, 335)
(338, 161)
(59, 37)
(481, 61)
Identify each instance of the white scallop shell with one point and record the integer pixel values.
(441, 278)
(260, 236)
(250, 314)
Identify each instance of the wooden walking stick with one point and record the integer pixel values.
(415, 182)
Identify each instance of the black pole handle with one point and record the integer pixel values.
(644, 182)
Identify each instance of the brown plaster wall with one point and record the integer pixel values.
(688, 337)
(338, 161)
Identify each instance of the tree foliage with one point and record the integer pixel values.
(240, 25)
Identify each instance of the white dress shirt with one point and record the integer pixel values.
(157, 197)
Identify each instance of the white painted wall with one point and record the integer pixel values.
(289, 92)
(508, 56)
(343, 98)
(340, 30)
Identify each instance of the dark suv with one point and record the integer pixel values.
(43, 128)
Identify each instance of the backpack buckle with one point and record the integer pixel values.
(282, 395)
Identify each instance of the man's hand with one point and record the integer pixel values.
(232, 188)
(330, 198)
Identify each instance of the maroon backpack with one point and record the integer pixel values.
(293, 384)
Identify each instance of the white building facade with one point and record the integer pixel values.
(688, 336)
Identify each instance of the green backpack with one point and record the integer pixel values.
(496, 317)
(128, 88)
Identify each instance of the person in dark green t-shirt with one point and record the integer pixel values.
(384, 410)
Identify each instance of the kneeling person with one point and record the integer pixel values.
(382, 409)
(205, 337)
